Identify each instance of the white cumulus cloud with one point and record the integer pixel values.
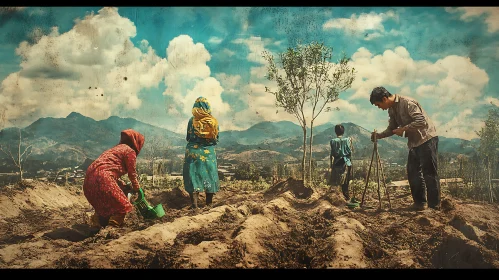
(229, 82)
(469, 13)
(451, 84)
(92, 68)
(365, 22)
(215, 40)
(256, 47)
(452, 79)
(463, 125)
(189, 78)
(492, 100)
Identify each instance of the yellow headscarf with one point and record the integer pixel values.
(205, 125)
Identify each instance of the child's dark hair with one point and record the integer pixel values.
(378, 93)
(339, 129)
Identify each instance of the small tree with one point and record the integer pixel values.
(21, 157)
(327, 82)
(291, 93)
(489, 144)
(155, 147)
(309, 79)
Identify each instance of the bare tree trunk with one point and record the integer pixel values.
(19, 158)
(304, 153)
(491, 199)
(461, 175)
(159, 171)
(310, 151)
(19, 161)
(152, 169)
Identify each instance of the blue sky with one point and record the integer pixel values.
(151, 63)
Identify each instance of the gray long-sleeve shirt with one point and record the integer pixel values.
(407, 112)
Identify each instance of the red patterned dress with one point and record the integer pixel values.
(101, 181)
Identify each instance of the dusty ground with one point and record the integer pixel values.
(43, 225)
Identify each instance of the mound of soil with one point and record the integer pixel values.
(296, 187)
(289, 225)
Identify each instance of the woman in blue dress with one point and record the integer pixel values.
(200, 172)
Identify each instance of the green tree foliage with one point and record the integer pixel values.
(268, 170)
(478, 169)
(489, 145)
(305, 76)
(247, 171)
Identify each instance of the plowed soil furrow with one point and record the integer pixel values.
(287, 226)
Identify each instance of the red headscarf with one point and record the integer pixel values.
(132, 138)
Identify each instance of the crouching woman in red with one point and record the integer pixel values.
(103, 187)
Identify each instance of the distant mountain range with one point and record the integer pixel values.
(70, 140)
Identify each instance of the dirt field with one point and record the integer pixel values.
(43, 225)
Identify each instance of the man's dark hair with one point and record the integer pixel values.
(378, 93)
(339, 129)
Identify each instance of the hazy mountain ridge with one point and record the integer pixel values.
(76, 137)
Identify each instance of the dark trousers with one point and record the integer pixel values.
(335, 180)
(422, 173)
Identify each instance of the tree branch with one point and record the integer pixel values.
(9, 154)
(25, 150)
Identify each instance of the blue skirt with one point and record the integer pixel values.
(200, 172)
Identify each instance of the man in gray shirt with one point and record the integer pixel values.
(408, 119)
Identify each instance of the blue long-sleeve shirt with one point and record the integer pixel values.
(341, 148)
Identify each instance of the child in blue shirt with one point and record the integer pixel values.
(340, 160)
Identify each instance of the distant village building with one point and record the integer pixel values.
(226, 172)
